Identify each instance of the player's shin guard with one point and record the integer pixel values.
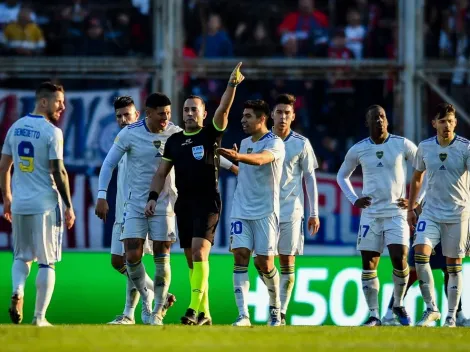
(241, 286)
(132, 299)
(162, 281)
(19, 273)
(400, 281)
(286, 285)
(199, 281)
(45, 281)
(272, 283)
(137, 274)
(426, 280)
(370, 287)
(454, 288)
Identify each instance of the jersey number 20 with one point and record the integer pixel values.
(26, 154)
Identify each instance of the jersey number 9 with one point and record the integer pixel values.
(26, 154)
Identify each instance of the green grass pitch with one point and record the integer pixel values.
(227, 338)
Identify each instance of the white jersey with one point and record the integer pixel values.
(144, 151)
(299, 160)
(32, 141)
(122, 189)
(447, 192)
(384, 173)
(257, 192)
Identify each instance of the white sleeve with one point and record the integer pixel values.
(347, 168)
(468, 158)
(113, 157)
(410, 150)
(422, 191)
(225, 163)
(56, 145)
(309, 164)
(6, 149)
(276, 147)
(418, 163)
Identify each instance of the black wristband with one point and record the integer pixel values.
(153, 196)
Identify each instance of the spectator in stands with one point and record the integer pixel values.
(355, 33)
(216, 42)
(258, 44)
(23, 37)
(9, 11)
(94, 44)
(308, 27)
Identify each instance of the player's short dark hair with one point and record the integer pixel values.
(260, 107)
(287, 99)
(192, 96)
(122, 102)
(46, 89)
(157, 100)
(442, 110)
(373, 107)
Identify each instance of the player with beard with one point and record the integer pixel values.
(35, 147)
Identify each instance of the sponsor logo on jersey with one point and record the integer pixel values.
(187, 142)
(198, 152)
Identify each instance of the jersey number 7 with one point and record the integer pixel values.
(26, 154)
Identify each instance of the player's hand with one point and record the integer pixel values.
(313, 225)
(363, 202)
(236, 76)
(69, 218)
(101, 209)
(402, 203)
(7, 209)
(150, 207)
(230, 154)
(412, 219)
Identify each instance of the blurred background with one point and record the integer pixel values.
(336, 56)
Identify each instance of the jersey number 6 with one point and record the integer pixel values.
(26, 154)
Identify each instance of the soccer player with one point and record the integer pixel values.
(256, 208)
(192, 153)
(299, 164)
(383, 158)
(437, 262)
(446, 160)
(35, 147)
(143, 144)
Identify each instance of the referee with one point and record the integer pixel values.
(192, 152)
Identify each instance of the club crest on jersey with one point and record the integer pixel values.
(157, 144)
(379, 154)
(198, 152)
(443, 156)
(249, 150)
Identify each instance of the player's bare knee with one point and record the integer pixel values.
(423, 249)
(200, 249)
(241, 256)
(286, 260)
(161, 247)
(370, 260)
(189, 257)
(264, 263)
(453, 261)
(117, 261)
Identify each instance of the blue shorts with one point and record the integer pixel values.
(437, 261)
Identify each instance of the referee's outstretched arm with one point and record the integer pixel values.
(221, 114)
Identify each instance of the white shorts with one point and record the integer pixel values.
(38, 237)
(453, 237)
(291, 237)
(117, 247)
(158, 227)
(375, 233)
(259, 236)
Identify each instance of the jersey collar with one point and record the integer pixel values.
(287, 137)
(385, 141)
(452, 142)
(35, 116)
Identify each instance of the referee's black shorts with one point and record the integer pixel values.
(197, 219)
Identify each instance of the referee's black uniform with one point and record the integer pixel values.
(198, 206)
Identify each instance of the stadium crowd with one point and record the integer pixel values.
(359, 29)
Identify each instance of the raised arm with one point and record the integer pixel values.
(5, 184)
(221, 114)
